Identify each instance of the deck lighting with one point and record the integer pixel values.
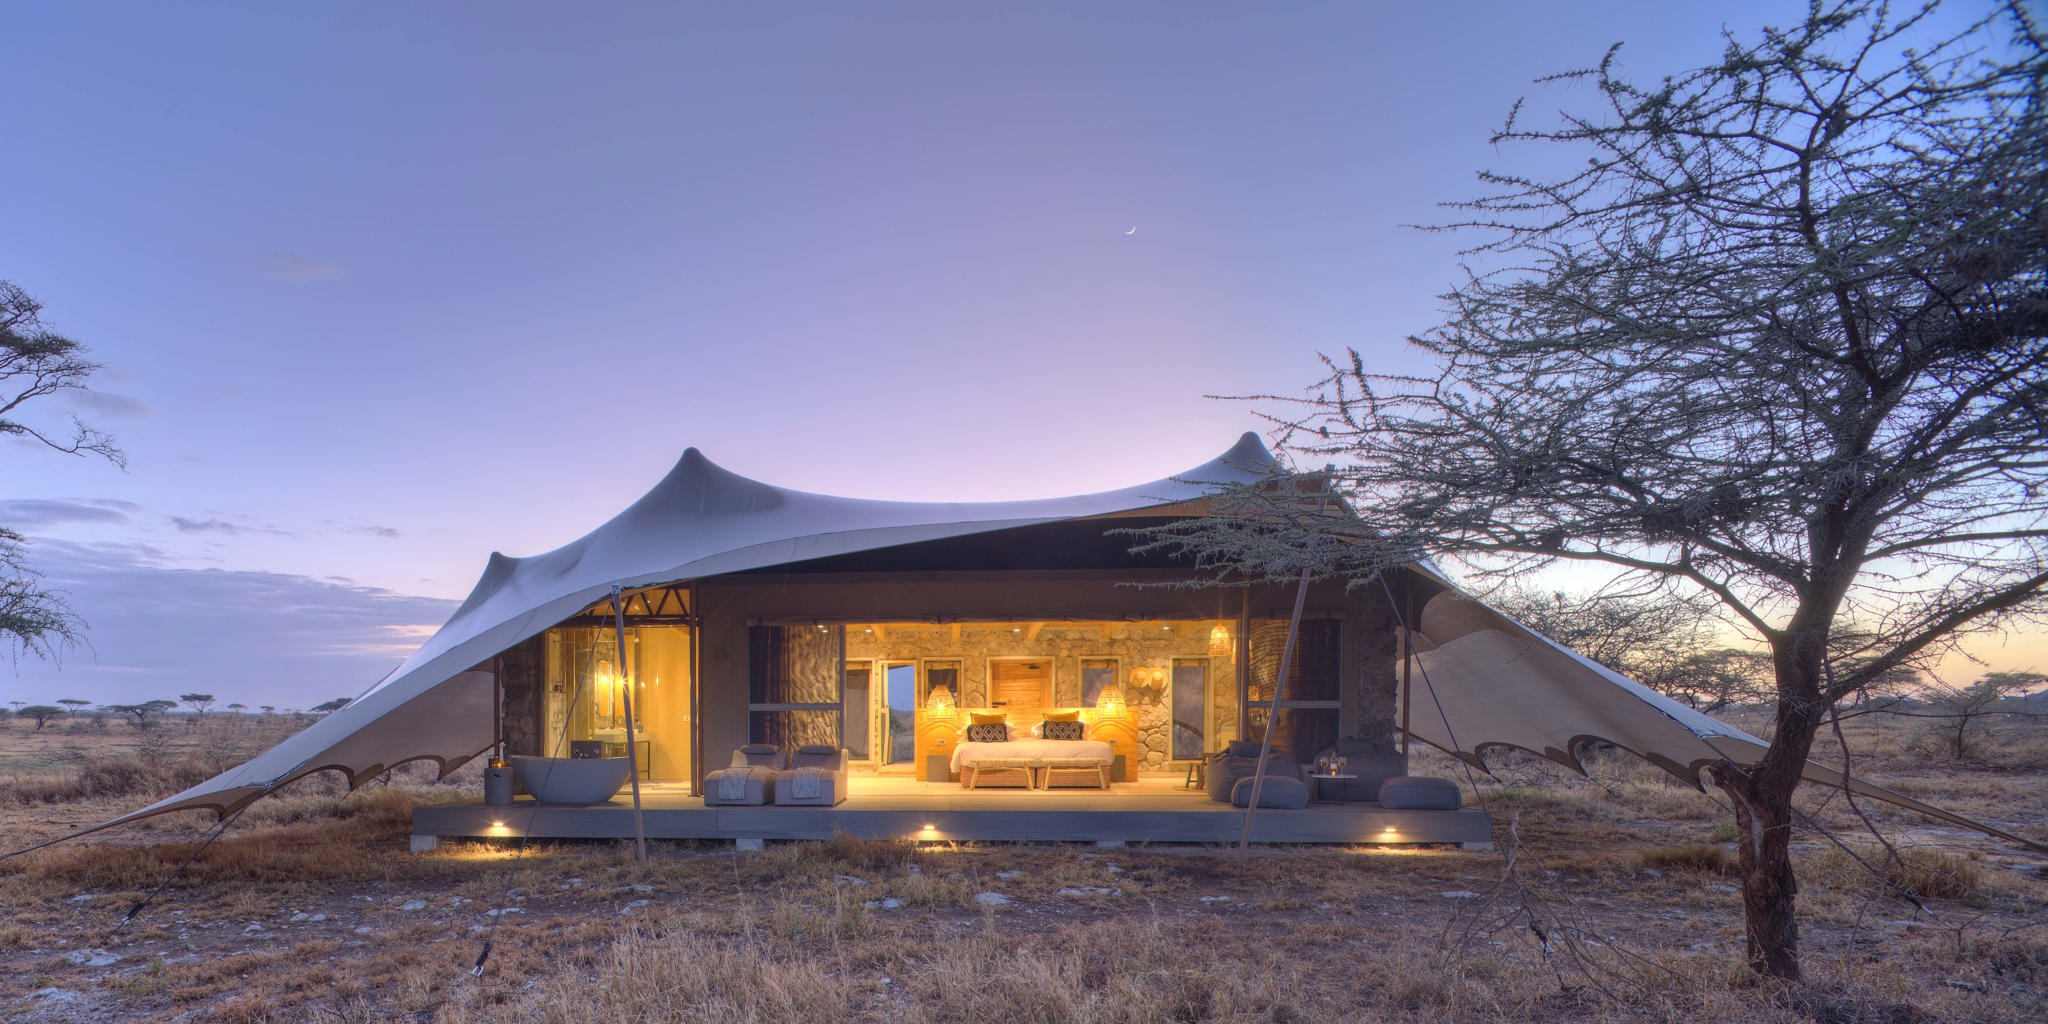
(497, 824)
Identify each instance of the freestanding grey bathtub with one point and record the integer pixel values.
(572, 780)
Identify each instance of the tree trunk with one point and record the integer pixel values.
(1763, 818)
(1762, 795)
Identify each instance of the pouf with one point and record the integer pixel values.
(1279, 791)
(742, 786)
(1420, 793)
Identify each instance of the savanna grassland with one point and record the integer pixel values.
(1612, 901)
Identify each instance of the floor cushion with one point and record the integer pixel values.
(1420, 793)
(1279, 791)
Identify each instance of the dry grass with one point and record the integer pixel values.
(866, 931)
(1921, 874)
(1703, 858)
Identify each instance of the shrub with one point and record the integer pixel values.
(1701, 857)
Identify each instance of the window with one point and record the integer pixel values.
(794, 685)
(1309, 697)
(1190, 708)
(1096, 673)
(939, 673)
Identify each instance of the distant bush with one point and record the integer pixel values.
(100, 778)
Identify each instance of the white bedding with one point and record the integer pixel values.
(1028, 747)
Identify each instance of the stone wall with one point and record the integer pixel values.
(521, 677)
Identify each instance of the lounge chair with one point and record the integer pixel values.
(749, 781)
(1231, 771)
(816, 777)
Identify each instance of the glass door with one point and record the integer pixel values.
(899, 713)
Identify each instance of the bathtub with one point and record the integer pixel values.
(572, 780)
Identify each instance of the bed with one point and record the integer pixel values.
(1030, 748)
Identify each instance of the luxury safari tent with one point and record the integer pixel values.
(764, 663)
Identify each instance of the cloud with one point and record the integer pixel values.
(158, 630)
(101, 405)
(186, 525)
(300, 270)
(386, 532)
(30, 514)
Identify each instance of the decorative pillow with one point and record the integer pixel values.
(986, 717)
(988, 732)
(1063, 716)
(1057, 730)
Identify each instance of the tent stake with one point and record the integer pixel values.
(1273, 713)
(627, 682)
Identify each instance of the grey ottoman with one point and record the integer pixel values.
(1280, 791)
(1419, 793)
(743, 786)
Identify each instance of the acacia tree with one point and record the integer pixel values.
(1668, 642)
(1778, 341)
(1989, 695)
(36, 363)
(144, 713)
(42, 713)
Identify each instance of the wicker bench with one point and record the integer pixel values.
(1095, 770)
(977, 772)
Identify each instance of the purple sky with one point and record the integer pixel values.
(380, 288)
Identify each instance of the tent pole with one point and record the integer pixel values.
(1406, 612)
(1273, 713)
(626, 684)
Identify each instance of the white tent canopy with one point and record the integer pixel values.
(699, 521)
(1480, 680)
(1484, 680)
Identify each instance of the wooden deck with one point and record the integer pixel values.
(1150, 810)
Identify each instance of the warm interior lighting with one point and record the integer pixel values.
(1219, 641)
(1111, 700)
(940, 699)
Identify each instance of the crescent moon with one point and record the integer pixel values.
(1133, 230)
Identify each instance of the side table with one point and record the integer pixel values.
(1323, 788)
